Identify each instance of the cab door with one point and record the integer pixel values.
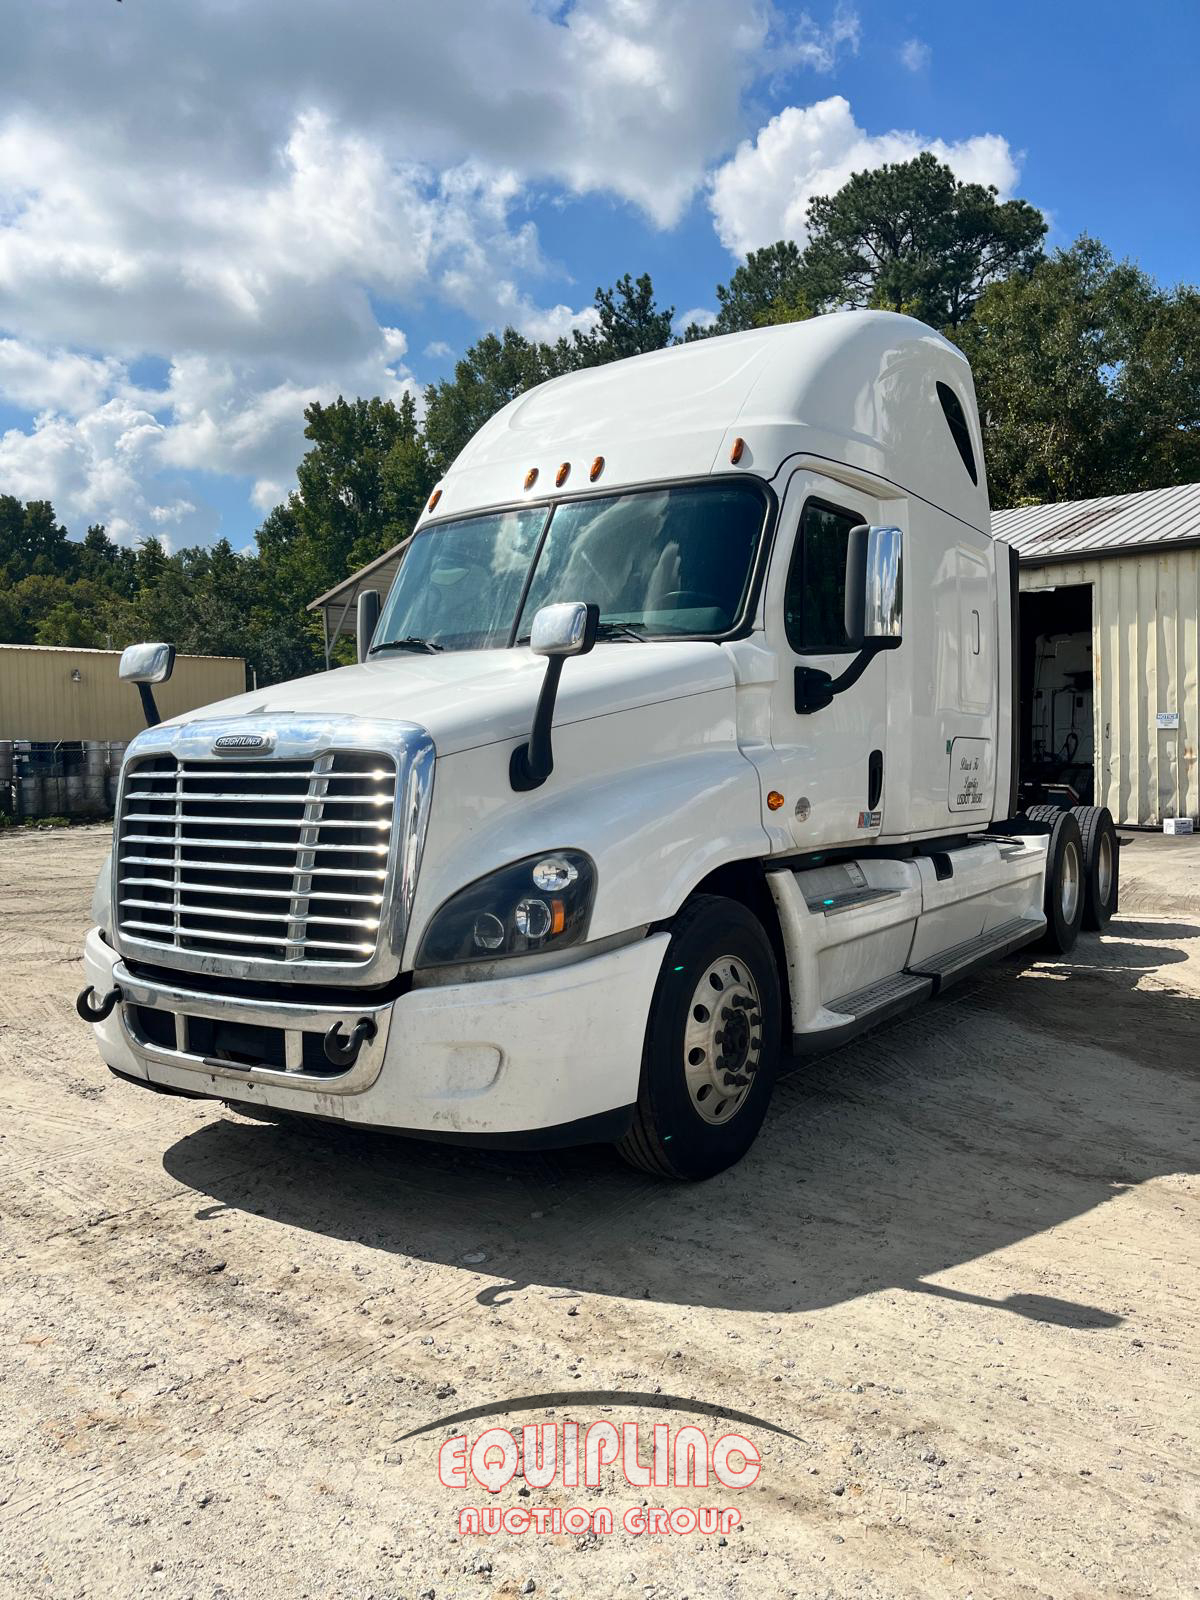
(834, 760)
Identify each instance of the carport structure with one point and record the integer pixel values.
(339, 606)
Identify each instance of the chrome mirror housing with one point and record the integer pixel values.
(874, 587)
(563, 629)
(147, 663)
(366, 620)
(883, 609)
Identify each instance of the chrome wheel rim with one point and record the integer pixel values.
(1069, 881)
(1104, 869)
(722, 1043)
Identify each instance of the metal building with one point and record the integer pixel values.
(1110, 658)
(50, 695)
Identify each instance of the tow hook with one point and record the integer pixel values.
(344, 1052)
(97, 1013)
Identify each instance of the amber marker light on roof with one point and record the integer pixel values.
(774, 800)
(531, 477)
(597, 468)
(433, 500)
(563, 473)
(735, 455)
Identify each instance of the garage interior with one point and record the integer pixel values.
(1057, 728)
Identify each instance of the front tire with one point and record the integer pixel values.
(712, 1045)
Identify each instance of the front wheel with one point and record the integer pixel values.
(712, 1045)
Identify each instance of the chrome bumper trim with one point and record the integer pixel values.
(292, 1019)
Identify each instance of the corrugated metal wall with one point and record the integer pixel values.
(40, 699)
(1146, 660)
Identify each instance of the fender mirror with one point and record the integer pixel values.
(559, 631)
(145, 664)
(366, 619)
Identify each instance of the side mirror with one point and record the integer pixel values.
(559, 631)
(874, 587)
(567, 629)
(145, 664)
(366, 619)
(873, 617)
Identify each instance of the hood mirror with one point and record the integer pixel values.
(559, 631)
(145, 664)
(562, 630)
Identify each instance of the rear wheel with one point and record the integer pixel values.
(1065, 889)
(1100, 865)
(712, 1045)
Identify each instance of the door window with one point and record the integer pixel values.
(815, 598)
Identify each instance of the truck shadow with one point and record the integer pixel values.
(1019, 1101)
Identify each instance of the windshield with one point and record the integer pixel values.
(659, 562)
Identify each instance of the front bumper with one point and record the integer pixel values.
(505, 1056)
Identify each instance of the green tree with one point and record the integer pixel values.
(1088, 379)
(768, 287)
(495, 370)
(909, 236)
(630, 323)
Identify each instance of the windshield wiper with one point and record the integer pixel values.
(412, 642)
(621, 630)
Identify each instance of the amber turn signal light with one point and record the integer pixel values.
(531, 477)
(735, 455)
(597, 468)
(774, 800)
(561, 476)
(433, 499)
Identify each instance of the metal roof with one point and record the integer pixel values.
(1115, 522)
(88, 650)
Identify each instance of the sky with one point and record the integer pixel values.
(213, 212)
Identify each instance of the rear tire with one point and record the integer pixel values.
(1065, 879)
(712, 1045)
(1101, 862)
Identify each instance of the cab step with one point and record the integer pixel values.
(948, 966)
(863, 1009)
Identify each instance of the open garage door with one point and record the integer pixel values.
(1057, 724)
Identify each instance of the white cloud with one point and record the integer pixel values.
(100, 468)
(702, 316)
(55, 380)
(915, 54)
(438, 350)
(762, 192)
(246, 183)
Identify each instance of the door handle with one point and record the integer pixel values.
(874, 779)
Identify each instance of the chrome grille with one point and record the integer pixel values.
(271, 861)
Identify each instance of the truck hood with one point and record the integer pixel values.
(476, 697)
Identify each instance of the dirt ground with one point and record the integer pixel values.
(952, 1294)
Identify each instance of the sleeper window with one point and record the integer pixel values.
(956, 421)
(815, 601)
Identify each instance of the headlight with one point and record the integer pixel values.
(541, 903)
(102, 898)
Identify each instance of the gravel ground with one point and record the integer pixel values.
(954, 1290)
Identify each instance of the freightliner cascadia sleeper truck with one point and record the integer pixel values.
(683, 746)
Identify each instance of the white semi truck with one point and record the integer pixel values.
(683, 746)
